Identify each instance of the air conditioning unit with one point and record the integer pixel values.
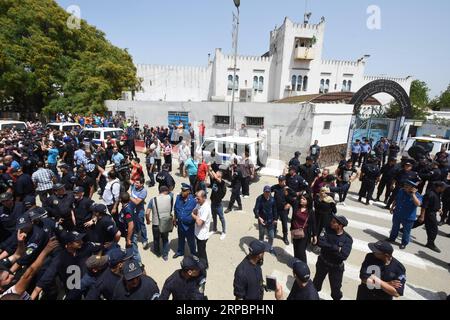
(246, 95)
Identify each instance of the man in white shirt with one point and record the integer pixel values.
(202, 217)
(183, 155)
(111, 195)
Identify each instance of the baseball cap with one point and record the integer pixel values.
(37, 213)
(267, 189)
(410, 183)
(23, 222)
(132, 269)
(72, 236)
(78, 189)
(308, 158)
(440, 184)
(118, 255)
(192, 263)
(281, 178)
(381, 247)
(297, 154)
(58, 186)
(257, 247)
(341, 220)
(100, 208)
(97, 262)
(6, 196)
(185, 187)
(301, 270)
(29, 201)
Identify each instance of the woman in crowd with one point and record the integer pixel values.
(303, 227)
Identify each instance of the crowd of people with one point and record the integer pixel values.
(57, 242)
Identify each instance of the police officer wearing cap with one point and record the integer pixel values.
(135, 285)
(309, 171)
(60, 205)
(68, 177)
(431, 206)
(295, 162)
(302, 288)
(10, 211)
(370, 173)
(81, 209)
(105, 231)
(188, 283)
(68, 265)
(104, 286)
(405, 174)
(382, 276)
(39, 218)
(283, 205)
(184, 205)
(164, 178)
(335, 245)
(297, 184)
(248, 279)
(96, 265)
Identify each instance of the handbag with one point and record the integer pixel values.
(165, 223)
(300, 232)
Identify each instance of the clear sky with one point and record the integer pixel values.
(414, 38)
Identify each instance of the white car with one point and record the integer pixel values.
(64, 126)
(99, 135)
(9, 124)
(230, 147)
(428, 144)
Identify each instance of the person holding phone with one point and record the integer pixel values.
(404, 210)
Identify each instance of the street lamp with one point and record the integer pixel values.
(237, 3)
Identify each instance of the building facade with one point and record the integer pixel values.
(293, 66)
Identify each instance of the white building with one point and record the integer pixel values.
(293, 66)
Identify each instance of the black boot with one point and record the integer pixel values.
(285, 240)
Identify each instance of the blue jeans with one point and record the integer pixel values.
(270, 232)
(141, 228)
(217, 210)
(134, 247)
(182, 236)
(407, 226)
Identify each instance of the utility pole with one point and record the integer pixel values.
(237, 3)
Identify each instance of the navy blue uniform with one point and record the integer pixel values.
(82, 213)
(335, 249)
(394, 271)
(104, 286)
(248, 281)
(61, 208)
(147, 290)
(183, 289)
(308, 292)
(165, 179)
(8, 220)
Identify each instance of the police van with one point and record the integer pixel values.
(10, 124)
(99, 135)
(229, 147)
(424, 145)
(64, 126)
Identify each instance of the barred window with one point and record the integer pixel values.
(254, 121)
(221, 119)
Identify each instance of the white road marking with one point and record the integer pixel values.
(366, 212)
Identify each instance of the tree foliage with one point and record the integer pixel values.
(47, 66)
(442, 102)
(419, 95)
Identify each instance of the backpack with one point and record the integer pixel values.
(122, 189)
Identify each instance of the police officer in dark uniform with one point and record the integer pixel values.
(296, 183)
(39, 218)
(69, 263)
(302, 288)
(433, 176)
(370, 172)
(309, 171)
(188, 283)
(431, 205)
(59, 206)
(405, 174)
(68, 178)
(81, 209)
(382, 276)
(103, 289)
(105, 231)
(134, 285)
(282, 205)
(388, 172)
(164, 178)
(10, 212)
(335, 245)
(248, 279)
(295, 162)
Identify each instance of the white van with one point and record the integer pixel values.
(229, 147)
(98, 135)
(428, 144)
(64, 126)
(9, 124)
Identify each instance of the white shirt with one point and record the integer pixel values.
(107, 196)
(204, 213)
(184, 153)
(24, 296)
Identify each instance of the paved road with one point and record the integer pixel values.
(428, 275)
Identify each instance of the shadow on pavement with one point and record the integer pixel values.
(434, 260)
(244, 242)
(427, 294)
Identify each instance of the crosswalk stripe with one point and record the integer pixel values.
(378, 203)
(352, 272)
(365, 212)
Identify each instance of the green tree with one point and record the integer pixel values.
(419, 100)
(47, 66)
(441, 102)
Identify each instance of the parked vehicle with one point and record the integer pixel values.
(98, 135)
(9, 124)
(417, 146)
(64, 126)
